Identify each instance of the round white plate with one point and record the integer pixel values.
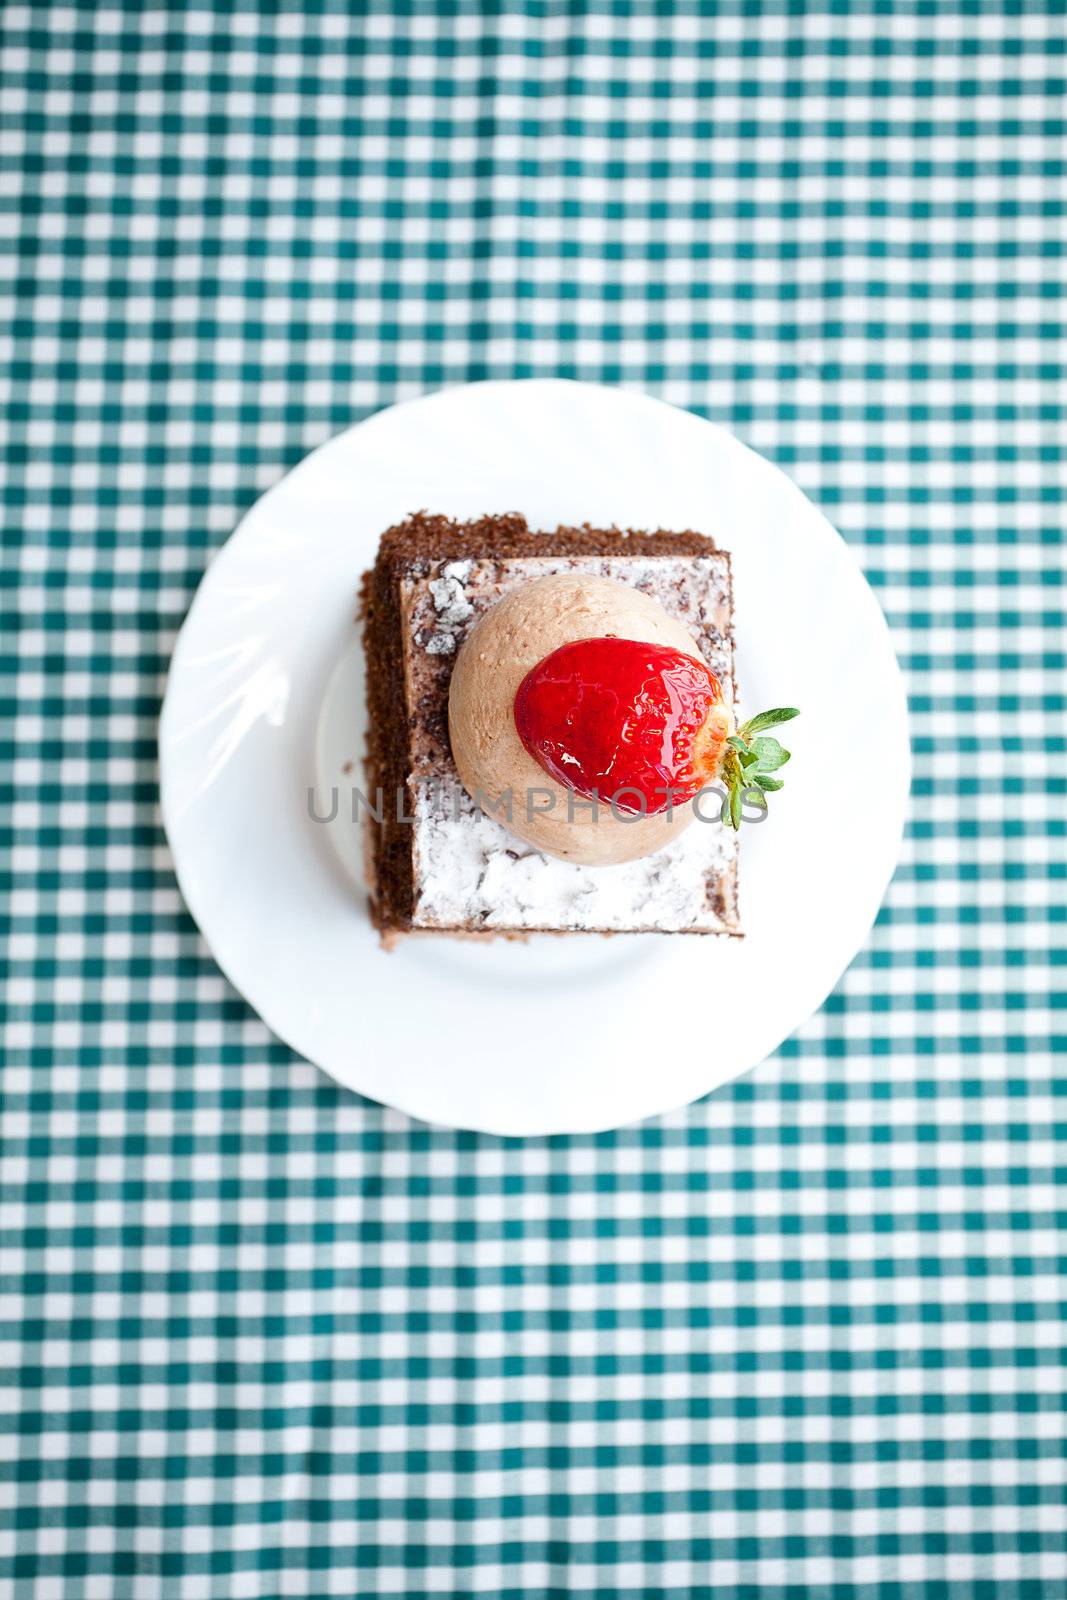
(554, 1035)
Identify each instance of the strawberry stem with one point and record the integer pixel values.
(750, 762)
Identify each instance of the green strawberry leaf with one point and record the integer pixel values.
(745, 769)
(768, 719)
(770, 754)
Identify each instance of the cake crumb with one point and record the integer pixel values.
(452, 607)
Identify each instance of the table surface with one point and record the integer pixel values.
(262, 1338)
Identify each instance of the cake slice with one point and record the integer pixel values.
(437, 863)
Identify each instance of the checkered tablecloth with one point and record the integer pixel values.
(261, 1338)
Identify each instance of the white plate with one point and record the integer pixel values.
(556, 1035)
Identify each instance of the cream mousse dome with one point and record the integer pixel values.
(524, 627)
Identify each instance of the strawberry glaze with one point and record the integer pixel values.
(617, 718)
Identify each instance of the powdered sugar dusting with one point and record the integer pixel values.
(472, 871)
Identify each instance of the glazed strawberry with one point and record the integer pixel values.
(644, 726)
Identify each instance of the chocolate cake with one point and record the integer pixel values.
(444, 865)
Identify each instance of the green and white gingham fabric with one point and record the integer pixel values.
(807, 1338)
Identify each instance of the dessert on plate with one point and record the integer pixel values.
(552, 744)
